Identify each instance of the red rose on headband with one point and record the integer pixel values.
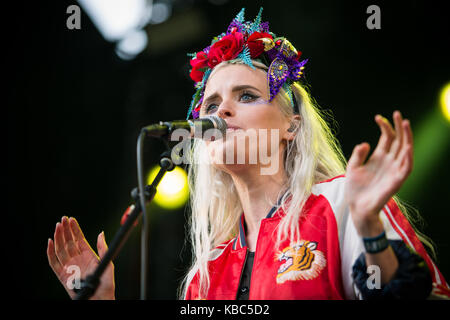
(198, 64)
(225, 49)
(255, 45)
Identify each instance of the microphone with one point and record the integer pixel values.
(194, 128)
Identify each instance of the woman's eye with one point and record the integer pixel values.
(211, 107)
(247, 96)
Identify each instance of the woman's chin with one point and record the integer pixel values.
(232, 168)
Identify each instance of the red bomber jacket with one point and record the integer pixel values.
(318, 265)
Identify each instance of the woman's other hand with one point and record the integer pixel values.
(370, 185)
(69, 254)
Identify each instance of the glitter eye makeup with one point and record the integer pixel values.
(245, 97)
(250, 98)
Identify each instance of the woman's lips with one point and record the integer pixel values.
(232, 131)
(233, 128)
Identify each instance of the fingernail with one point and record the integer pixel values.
(382, 118)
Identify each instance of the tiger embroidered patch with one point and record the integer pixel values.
(302, 261)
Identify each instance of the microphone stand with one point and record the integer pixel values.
(92, 281)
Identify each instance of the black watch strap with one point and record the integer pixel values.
(376, 244)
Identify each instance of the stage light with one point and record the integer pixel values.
(161, 12)
(445, 101)
(431, 140)
(121, 21)
(173, 189)
(115, 18)
(133, 44)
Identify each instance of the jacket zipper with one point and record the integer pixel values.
(242, 272)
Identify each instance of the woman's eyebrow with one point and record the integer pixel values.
(244, 86)
(210, 98)
(234, 89)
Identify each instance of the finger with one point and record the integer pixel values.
(76, 230)
(60, 248)
(387, 134)
(71, 246)
(52, 258)
(78, 236)
(406, 164)
(407, 134)
(398, 140)
(102, 247)
(408, 147)
(358, 156)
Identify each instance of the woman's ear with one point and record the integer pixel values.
(291, 132)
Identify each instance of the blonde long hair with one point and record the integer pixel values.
(313, 156)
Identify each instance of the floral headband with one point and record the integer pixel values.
(247, 40)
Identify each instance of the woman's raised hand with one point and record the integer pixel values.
(70, 255)
(370, 184)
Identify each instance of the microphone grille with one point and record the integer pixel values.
(219, 124)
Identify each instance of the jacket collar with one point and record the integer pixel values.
(240, 241)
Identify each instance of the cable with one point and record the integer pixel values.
(144, 232)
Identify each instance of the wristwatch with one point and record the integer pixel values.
(376, 244)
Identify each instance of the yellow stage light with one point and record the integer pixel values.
(445, 101)
(431, 140)
(173, 189)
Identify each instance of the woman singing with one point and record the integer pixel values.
(292, 219)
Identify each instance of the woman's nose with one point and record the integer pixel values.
(225, 110)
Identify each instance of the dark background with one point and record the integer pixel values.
(75, 110)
